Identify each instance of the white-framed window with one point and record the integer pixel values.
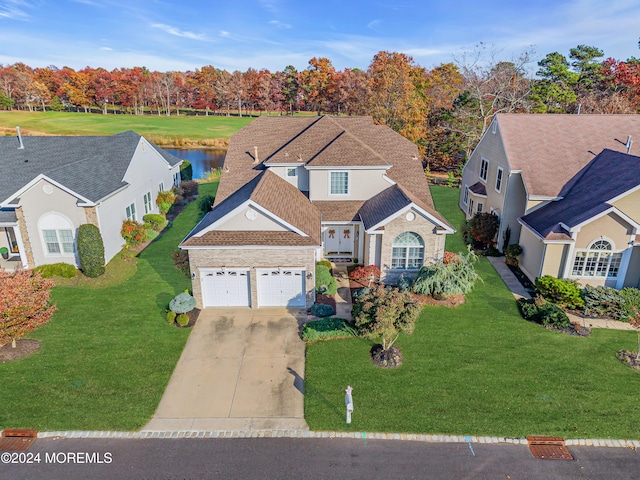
(407, 251)
(494, 126)
(131, 212)
(499, 174)
(339, 183)
(599, 260)
(479, 210)
(58, 241)
(176, 179)
(471, 204)
(292, 172)
(465, 195)
(161, 187)
(484, 169)
(148, 206)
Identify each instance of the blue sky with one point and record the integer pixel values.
(237, 34)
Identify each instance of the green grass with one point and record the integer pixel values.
(161, 129)
(108, 353)
(478, 369)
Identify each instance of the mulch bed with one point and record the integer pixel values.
(24, 348)
(326, 300)
(390, 358)
(629, 358)
(193, 318)
(450, 301)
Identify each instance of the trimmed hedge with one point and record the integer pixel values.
(156, 221)
(182, 319)
(327, 328)
(326, 263)
(90, 250)
(545, 313)
(322, 310)
(64, 270)
(325, 283)
(186, 171)
(563, 292)
(189, 188)
(171, 317)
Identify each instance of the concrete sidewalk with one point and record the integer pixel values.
(241, 369)
(343, 297)
(519, 291)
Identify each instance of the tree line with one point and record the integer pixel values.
(444, 110)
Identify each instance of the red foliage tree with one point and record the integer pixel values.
(24, 304)
(367, 274)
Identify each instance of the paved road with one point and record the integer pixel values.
(313, 459)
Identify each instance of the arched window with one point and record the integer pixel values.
(57, 234)
(407, 251)
(598, 260)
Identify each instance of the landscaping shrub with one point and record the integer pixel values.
(543, 312)
(165, 201)
(604, 302)
(442, 280)
(358, 295)
(181, 261)
(90, 250)
(484, 227)
(134, 233)
(450, 257)
(171, 317)
(189, 188)
(186, 171)
(322, 310)
(563, 292)
(325, 283)
(492, 252)
(326, 263)
(405, 283)
(511, 254)
(182, 319)
(64, 270)
(205, 204)
(156, 221)
(365, 274)
(182, 303)
(327, 328)
(630, 303)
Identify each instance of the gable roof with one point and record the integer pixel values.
(92, 167)
(272, 193)
(608, 176)
(550, 149)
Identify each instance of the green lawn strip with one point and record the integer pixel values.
(478, 369)
(107, 354)
(173, 127)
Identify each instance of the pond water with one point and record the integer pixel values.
(202, 160)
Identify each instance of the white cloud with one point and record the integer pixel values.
(279, 24)
(14, 9)
(179, 33)
(106, 49)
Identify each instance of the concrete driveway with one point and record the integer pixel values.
(241, 369)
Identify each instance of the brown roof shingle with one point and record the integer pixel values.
(339, 211)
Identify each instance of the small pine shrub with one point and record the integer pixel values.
(189, 188)
(327, 328)
(442, 280)
(545, 313)
(405, 283)
(182, 319)
(205, 204)
(563, 292)
(182, 303)
(64, 270)
(134, 233)
(90, 250)
(603, 302)
(322, 310)
(156, 221)
(325, 262)
(630, 304)
(358, 295)
(171, 317)
(325, 283)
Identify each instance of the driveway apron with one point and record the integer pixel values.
(241, 369)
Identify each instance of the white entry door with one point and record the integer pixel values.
(338, 240)
(281, 288)
(225, 287)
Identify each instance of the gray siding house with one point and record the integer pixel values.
(295, 190)
(52, 185)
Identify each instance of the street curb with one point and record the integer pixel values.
(412, 437)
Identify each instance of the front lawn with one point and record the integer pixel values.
(108, 353)
(478, 369)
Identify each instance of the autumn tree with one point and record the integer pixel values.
(24, 304)
(291, 87)
(318, 83)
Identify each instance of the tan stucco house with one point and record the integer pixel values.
(51, 185)
(295, 190)
(565, 186)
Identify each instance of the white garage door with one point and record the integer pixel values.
(281, 288)
(225, 287)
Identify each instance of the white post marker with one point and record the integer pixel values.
(349, 401)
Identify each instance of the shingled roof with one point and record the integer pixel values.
(93, 167)
(550, 150)
(606, 177)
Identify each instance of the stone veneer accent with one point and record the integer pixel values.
(252, 259)
(28, 251)
(91, 214)
(433, 244)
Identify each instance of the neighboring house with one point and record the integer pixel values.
(51, 185)
(297, 189)
(563, 187)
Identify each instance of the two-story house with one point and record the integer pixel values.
(295, 190)
(563, 187)
(50, 185)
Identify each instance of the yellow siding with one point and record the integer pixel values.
(553, 260)
(630, 205)
(610, 227)
(532, 251)
(632, 278)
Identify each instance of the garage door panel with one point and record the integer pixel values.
(225, 288)
(281, 288)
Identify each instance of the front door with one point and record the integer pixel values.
(339, 240)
